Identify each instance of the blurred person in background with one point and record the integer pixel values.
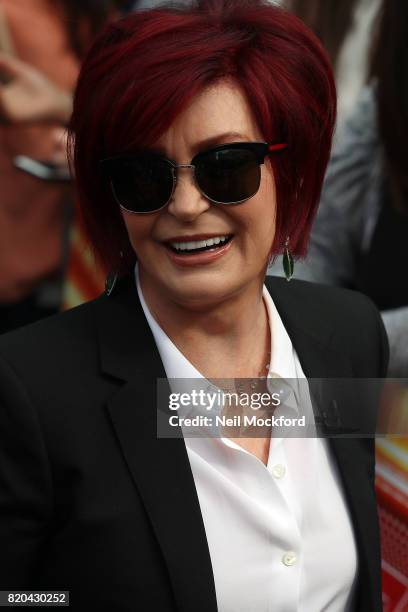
(358, 238)
(41, 46)
(345, 29)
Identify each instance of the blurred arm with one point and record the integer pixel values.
(28, 96)
(396, 324)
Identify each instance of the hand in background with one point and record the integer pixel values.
(28, 96)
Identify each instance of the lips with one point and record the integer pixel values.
(198, 249)
(196, 242)
(186, 247)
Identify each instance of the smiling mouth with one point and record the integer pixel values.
(199, 246)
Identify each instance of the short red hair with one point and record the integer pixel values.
(143, 70)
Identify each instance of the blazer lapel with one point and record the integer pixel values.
(160, 468)
(312, 342)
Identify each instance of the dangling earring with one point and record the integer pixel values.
(110, 283)
(288, 262)
(111, 280)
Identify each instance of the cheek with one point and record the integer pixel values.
(139, 228)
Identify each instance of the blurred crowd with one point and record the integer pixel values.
(358, 236)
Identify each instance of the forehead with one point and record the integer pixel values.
(220, 113)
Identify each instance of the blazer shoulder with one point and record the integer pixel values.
(69, 334)
(347, 320)
(323, 299)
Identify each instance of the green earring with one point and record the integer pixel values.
(110, 283)
(288, 262)
(112, 279)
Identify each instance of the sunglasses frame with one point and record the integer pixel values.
(261, 150)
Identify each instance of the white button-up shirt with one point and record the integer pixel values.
(279, 535)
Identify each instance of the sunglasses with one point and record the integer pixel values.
(227, 174)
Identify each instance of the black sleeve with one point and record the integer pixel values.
(26, 499)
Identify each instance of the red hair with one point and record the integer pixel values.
(143, 70)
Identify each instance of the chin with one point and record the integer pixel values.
(201, 293)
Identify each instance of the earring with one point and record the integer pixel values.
(111, 280)
(110, 283)
(288, 262)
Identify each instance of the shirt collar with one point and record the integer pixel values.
(176, 365)
(283, 363)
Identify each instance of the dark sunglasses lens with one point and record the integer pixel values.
(228, 176)
(141, 184)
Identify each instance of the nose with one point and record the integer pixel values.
(187, 203)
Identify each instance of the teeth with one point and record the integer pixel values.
(198, 244)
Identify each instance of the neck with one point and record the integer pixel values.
(229, 338)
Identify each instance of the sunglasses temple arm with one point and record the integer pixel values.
(277, 147)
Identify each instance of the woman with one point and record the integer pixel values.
(201, 140)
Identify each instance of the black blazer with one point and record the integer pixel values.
(92, 502)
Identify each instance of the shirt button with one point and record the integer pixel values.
(278, 470)
(289, 558)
